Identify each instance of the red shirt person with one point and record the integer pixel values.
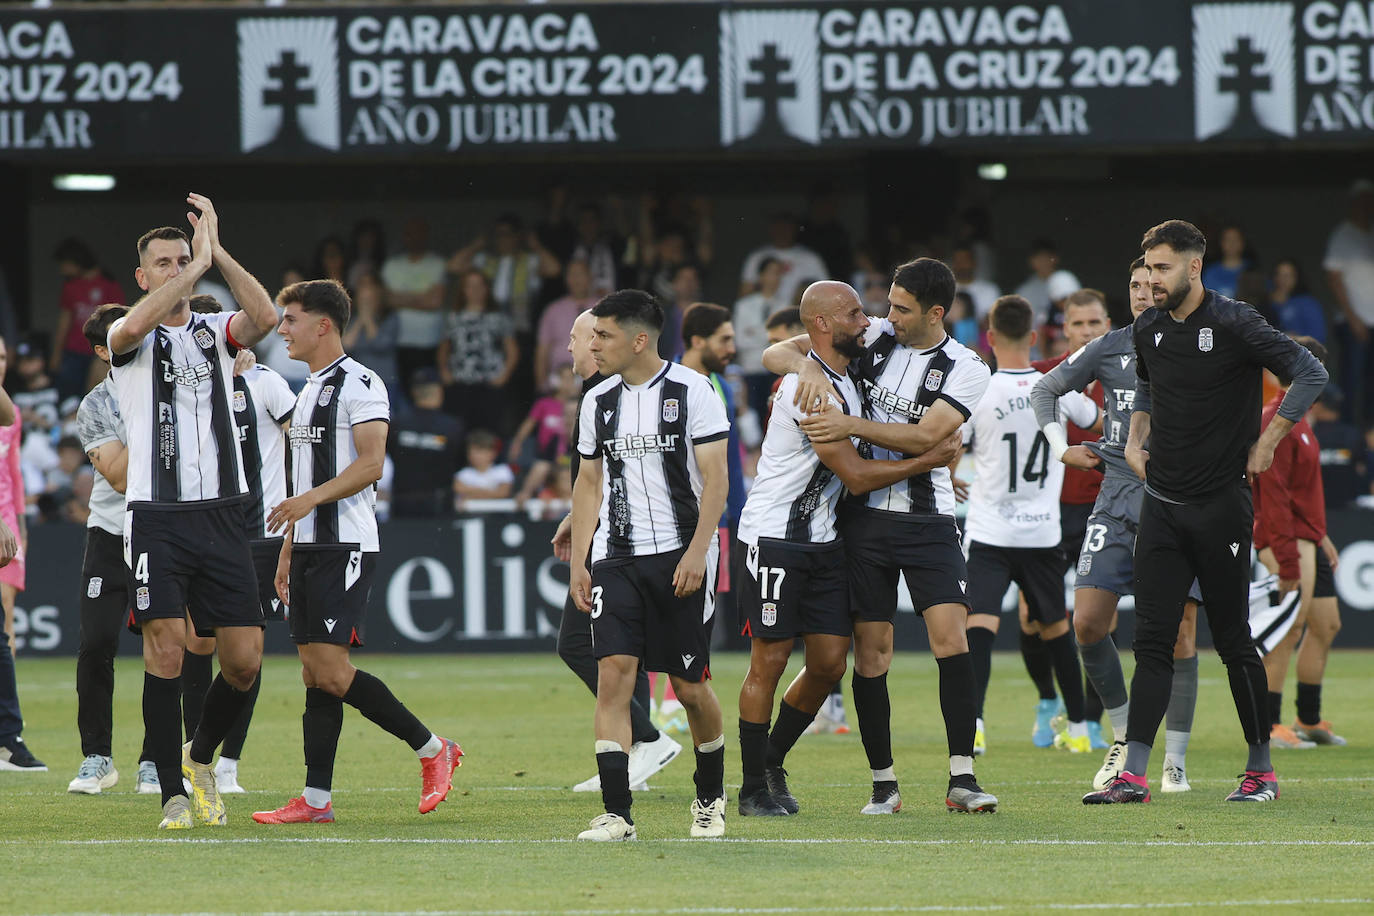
(85, 289)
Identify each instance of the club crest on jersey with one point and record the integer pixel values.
(1204, 340)
(141, 597)
(670, 410)
(93, 587)
(326, 395)
(770, 614)
(240, 402)
(1085, 564)
(204, 339)
(934, 378)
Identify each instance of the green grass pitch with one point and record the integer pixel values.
(502, 843)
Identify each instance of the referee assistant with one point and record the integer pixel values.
(1199, 357)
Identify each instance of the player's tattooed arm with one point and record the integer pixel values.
(111, 460)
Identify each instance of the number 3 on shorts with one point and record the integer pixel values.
(596, 601)
(141, 568)
(1096, 538)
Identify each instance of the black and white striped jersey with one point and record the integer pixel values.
(1014, 500)
(645, 435)
(900, 384)
(262, 402)
(97, 423)
(333, 401)
(174, 391)
(794, 495)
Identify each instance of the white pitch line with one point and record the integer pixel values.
(759, 841)
(1019, 907)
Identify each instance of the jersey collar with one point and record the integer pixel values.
(318, 376)
(828, 371)
(939, 346)
(667, 364)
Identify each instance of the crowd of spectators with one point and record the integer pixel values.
(472, 343)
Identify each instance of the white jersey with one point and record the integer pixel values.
(98, 423)
(262, 402)
(646, 435)
(333, 401)
(1014, 500)
(173, 391)
(900, 385)
(794, 495)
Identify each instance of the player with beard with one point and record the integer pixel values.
(790, 563)
(1105, 556)
(1199, 359)
(921, 386)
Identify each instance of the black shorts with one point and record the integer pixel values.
(786, 589)
(1324, 586)
(104, 577)
(879, 545)
(634, 612)
(328, 588)
(192, 557)
(265, 556)
(1073, 524)
(1038, 571)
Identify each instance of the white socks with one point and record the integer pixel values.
(434, 745)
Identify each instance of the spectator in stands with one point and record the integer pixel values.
(973, 229)
(551, 344)
(603, 250)
(372, 334)
(34, 392)
(1253, 287)
(426, 448)
(1234, 258)
(85, 288)
(414, 281)
(1349, 265)
(478, 356)
(556, 233)
(1299, 313)
(331, 261)
(515, 263)
(751, 330)
(549, 423)
(963, 261)
(367, 253)
(483, 478)
(1048, 282)
(673, 230)
(822, 232)
(58, 499)
(962, 323)
(659, 264)
(685, 289)
(1344, 465)
(800, 265)
(545, 422)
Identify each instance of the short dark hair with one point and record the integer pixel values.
(482, 438)
(76, 251)
(784, 318)
(931, 282)
(1313, 346)
(320, 296)
(205, 304)
(1011, 317)
(631, 307)
(1086, 296)
(167, 233)
(97, 327)
(71, 442)
(1137, 264)
(1043, 244)
(1181, 236)
(702, 319)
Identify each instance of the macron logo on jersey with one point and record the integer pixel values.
(1125, 361)
(1158, 338)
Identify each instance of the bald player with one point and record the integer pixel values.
(790, 562)
(920, 386)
